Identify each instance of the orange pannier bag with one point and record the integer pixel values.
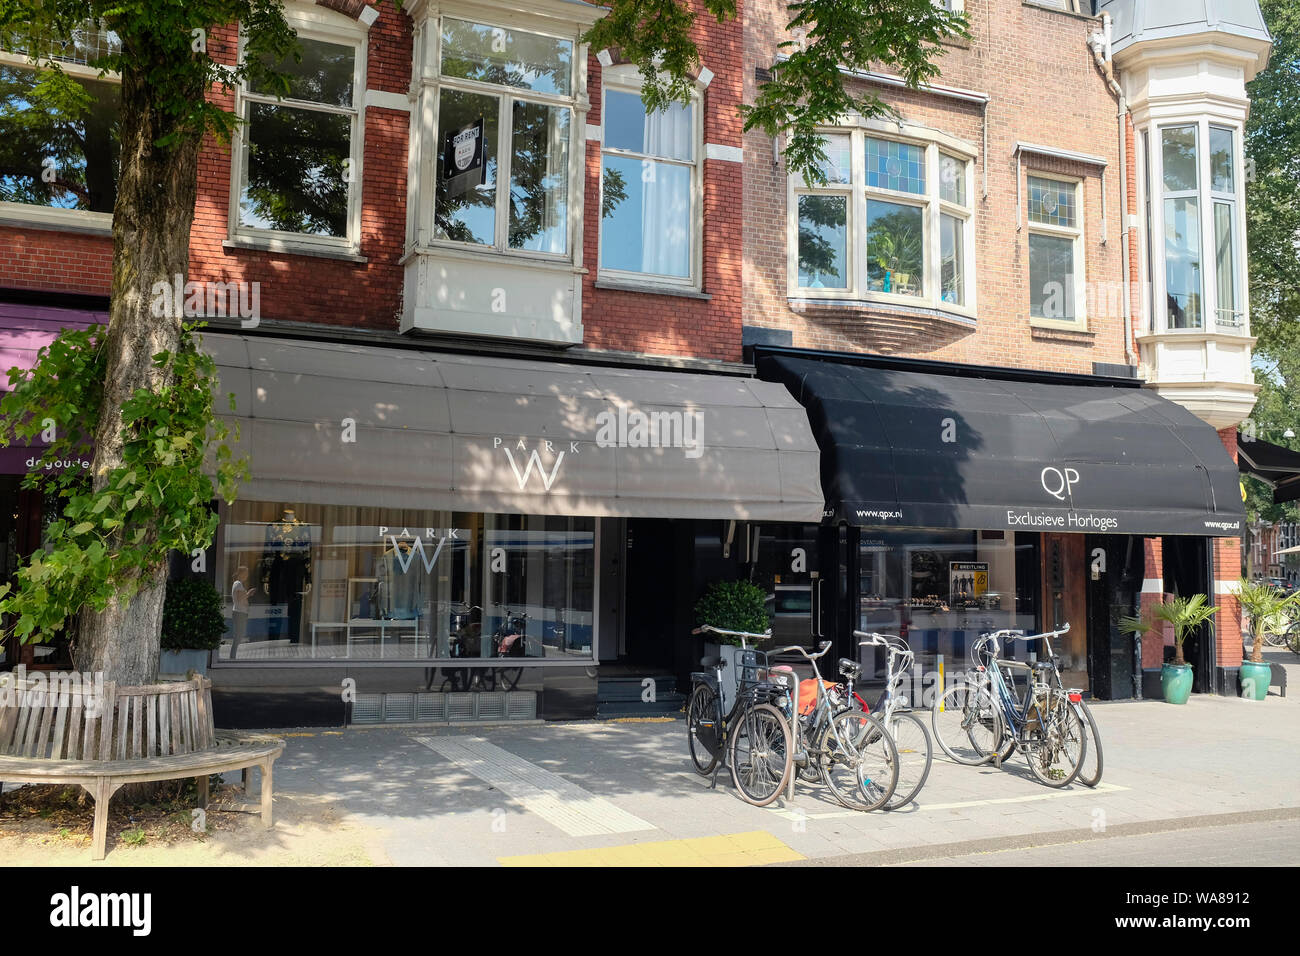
(808, 694)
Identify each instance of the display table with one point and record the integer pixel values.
(364, 624)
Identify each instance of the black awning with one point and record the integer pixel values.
(1278, 467)
(921, 444)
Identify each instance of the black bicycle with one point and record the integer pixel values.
(749, 732)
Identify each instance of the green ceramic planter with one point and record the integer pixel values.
(1176, 682)
(1255, 679)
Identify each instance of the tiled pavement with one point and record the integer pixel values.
(1165, 767)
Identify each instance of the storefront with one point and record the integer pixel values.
(26, 513)
(963, 499)
(434, 536)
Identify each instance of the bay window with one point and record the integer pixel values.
(1194, 259)
(890, 222)
(505, 120)
(297, 168)
(650, 185)
(1055, 251)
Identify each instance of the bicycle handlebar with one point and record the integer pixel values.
(824, 647)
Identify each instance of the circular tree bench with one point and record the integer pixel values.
(105, 737)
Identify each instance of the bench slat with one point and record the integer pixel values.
(164, 727)
(33, 721)
(9, 720)
(135, 726)
(60, 725)
(121, 719)
(54, 702)
(151, 741)
(74, 735)
(192, 703)
(106, 719)
(204, 713)
(175, 708)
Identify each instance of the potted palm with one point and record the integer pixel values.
(1267, 609)
(1184, 614)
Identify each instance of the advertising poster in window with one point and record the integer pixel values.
(967, 582)
(462, 158)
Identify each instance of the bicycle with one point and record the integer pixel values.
(915, 751)
(749, 732)
(1091, 769)
(983, 710)
(850, 749)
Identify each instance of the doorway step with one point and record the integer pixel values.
(625, 696)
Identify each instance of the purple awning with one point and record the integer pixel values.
(24, 331)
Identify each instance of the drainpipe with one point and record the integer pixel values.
(1101, 53)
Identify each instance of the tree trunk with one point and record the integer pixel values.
(151, 238)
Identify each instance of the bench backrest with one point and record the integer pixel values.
(57, 722)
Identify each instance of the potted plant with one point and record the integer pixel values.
(1267, 609)
(733, 606)
(1184, 614)
(192, 626)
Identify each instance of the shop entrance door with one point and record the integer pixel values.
(1187, 572)
(652, 595)
(1114, 586)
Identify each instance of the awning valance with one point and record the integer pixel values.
(923, 445)
(329, 423)
(1278, 467)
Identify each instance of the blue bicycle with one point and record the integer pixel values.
(986, 716)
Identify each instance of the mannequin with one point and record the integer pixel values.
(286, 569)
(401, 592)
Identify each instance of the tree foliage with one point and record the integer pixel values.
(157, 500)
(807, 87)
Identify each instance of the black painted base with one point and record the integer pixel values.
(1227, 681)
(1151, 689)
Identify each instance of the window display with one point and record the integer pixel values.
(351, 583)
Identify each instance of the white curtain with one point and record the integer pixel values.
(666, 193)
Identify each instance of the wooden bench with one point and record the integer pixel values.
(103, 739)
(1278, 678)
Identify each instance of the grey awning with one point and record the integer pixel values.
(477, 433)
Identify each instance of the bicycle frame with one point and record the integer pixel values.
(899, 658)
(984, 655)
(715, 738)
(821, 714)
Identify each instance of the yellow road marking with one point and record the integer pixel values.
(753, 848)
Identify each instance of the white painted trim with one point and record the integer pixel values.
(388, 101)
(595, 134)
(705, 77)
(1153, 586)
(52, 217)
(1227, 587)
(727, 154)
(369, 15)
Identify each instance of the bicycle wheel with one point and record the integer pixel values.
(702, 708)
(859, 761)
(915, 754)
(1293, 639)
(967, 724)
(1090, 771)
(1055, 741)
(760, 754)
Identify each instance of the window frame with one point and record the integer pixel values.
(1077, 233)
(506, 97)
(29, 214)
(1152, 198)
(624, 78)
(312, 23)
(856, 292)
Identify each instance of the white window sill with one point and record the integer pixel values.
(25, 216)
(650, 288)
(899, 305)
(293, 249)
(1053, 325)
(504, 260)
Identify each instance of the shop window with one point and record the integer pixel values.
(299, 157)
(1182, 221)
(1055, 251)
(890, 221)
(311, 582)
(650, 184)
(505, 117)
(59, 160)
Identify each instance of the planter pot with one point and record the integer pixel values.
(1255, 679)
(1176, 682)
(181, 662)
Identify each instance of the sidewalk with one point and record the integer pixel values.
(605, 793)
(437, 795)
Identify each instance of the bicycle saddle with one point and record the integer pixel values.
(849, 668)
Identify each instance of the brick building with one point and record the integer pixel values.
(487, 325)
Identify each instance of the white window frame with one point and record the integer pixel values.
(27, 214)
(429, 72)
(313, 23)
(1151, 161)
(1076, 233)
(1215, 197)
(625, 78)
(932, 142)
